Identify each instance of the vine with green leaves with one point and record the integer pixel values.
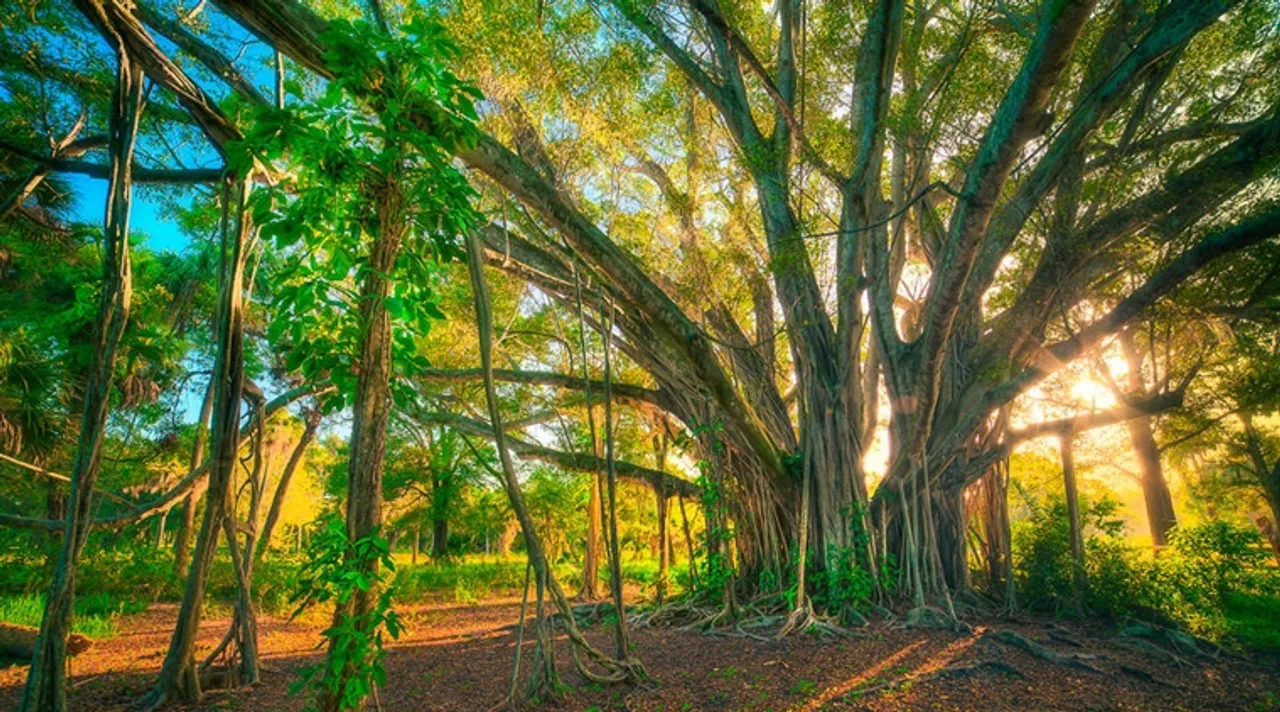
(336, 569)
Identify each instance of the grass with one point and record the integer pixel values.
(476, 577)
(95, 617)
(1251, 619)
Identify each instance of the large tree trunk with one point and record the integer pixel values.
(370, 413)
(1155, 491)
(179, 676)
(46, 684)
(439, 537)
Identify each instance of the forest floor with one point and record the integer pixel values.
(458, 657)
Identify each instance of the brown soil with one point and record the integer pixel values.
(459, 658)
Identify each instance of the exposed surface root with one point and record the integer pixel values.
(1155, 651)
(954, 671)
(1075, 660)
(803, 620)
(928, 617)
(1147, 677)
(722, 617)
(1174, 641)
(669, 614)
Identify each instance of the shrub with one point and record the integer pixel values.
(1210, 580)
(1042, 550)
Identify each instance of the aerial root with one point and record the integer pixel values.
(1075, 660)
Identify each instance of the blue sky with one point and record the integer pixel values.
(146, 220)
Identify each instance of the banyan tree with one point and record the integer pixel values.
(843, 241)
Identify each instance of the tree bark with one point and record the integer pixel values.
(1155, 490)
(282, 489)
(179, 676)
(46, 681)
(439, 537)
(1074, 525)
(371, 411)
(186, 530)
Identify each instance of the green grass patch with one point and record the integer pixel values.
(96, 615)
(461, 581)
(1251, 620)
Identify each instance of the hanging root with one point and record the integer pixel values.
(1075, 660)
(628, 669)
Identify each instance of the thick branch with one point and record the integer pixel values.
(102, 170)
(171, 497)
(621, 391)
(1051, 359)
(575, 461)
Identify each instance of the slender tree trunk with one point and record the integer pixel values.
(615, 559)
(371, 411)
(179, 676)
(1073, 514)
(186, 530)
(615, 670)
(591, 556)
(664, 536)
(688, 541)
(46, 689)
(413, 552)
(282, 489)
(595, 503)
(160, 520)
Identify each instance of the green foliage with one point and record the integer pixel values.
(341, 159)
(127, 571)
(1042, 547)
(96, 615)
(1211, 580)
(337, 568)
(462, 581)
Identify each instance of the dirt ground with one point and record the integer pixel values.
(459, 658)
